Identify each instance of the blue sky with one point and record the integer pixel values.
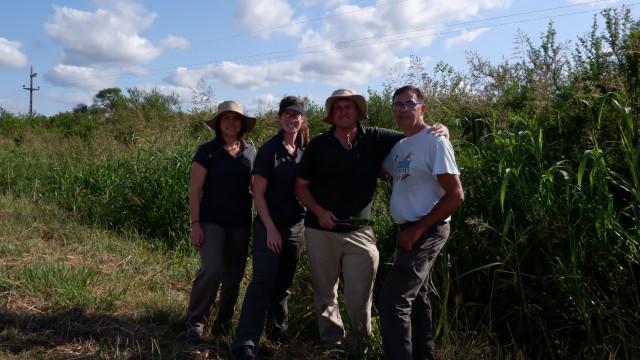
(254, 51)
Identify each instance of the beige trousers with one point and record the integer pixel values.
(355, 255)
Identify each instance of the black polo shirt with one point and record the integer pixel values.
(275, 164)
(226, 196)
(343, 181)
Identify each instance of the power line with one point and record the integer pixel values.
(291, 23)
(396, 36)
(31, 89)
(386, 3)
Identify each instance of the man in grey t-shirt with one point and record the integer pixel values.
(426, 190)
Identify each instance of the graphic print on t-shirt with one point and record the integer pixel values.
(403, 167)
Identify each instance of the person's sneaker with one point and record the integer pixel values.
(244, 352)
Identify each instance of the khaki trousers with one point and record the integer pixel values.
(355, 256)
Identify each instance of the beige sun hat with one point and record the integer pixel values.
(346, 94)
(230, 105)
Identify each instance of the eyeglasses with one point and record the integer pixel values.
(399, 105)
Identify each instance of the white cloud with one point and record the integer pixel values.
(261, 104)
(241, 76)
(257, 76)
(14, 106)
(327, 3)
(265, 17)
(360, 42)
(464, 37)
(71, 98)
(83, 77)
(174, 42)
(183, 93)
(353, 44)
(10, 54)
(592, 2)
(108, 35)
(188, 78)
(135, 70)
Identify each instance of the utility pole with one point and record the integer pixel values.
(31, 89)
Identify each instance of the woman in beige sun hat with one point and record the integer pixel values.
(220, 210)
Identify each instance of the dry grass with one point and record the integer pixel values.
(68, 291)
(131, 308)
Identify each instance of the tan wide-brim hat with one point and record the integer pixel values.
(346, 94)
(230, 105)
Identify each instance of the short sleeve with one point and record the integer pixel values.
(445, 160)
(386, 139)
(263, 164)
(203, 155)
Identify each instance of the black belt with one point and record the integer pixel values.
(354, 222)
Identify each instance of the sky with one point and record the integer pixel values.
(255, 51)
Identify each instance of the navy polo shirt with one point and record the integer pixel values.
(226, 197)
(275, 164)
(343, 181)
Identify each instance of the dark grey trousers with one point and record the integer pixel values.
(223, 257)
(273, 273)
(405, 310)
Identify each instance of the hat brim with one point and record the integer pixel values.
(359, 100)
(296, 107)
(248, 122)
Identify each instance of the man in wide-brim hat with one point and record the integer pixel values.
(336, 181)
(358, 100)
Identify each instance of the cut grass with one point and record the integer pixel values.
(73, 291)
(68, 290)
(60, 284)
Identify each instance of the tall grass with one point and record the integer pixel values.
(543, 258)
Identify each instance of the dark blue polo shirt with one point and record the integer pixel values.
(343, 181)
(275, 164)
(226, 197)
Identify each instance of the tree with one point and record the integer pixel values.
(81, 109)
(108, 98)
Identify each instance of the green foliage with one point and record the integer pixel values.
(60, 284)
(543, 248)
(109, 98)
(542, 254)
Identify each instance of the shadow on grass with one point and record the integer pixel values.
(77, 333)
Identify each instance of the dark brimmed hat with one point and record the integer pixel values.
(297, 107)
(346, 94)
(234, 106)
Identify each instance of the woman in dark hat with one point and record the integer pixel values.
(278, 232)
(220, 209)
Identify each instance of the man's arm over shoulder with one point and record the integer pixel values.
(385, 139)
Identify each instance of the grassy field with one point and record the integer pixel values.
(543, 260)
(71, 291)
(68, 290)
